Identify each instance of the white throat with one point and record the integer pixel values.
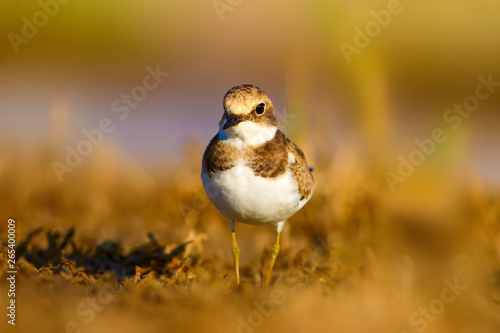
(247, 134)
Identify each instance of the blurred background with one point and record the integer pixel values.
(64, 67)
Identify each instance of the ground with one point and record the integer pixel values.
(100, 253)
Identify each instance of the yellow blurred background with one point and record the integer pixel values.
(67, 65)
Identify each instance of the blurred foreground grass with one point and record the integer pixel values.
(105, 252)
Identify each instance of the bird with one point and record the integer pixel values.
(251, 171)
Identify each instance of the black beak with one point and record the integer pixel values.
(232, 121)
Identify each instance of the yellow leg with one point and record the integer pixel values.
(276, 250)
(236, 256)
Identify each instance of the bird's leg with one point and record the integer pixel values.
(276, 250)
(236, 252)
(236, 256)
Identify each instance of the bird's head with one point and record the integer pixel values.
(249, 117)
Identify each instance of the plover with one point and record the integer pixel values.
(251, 171)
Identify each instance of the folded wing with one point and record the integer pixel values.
(300, 170)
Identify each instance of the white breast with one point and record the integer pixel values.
(241, 196)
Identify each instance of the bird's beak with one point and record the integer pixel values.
(233, 120)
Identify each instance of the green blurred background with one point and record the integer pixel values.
(396, 90)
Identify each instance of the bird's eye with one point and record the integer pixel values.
(259, 109)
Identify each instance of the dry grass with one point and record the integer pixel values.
(100, 252)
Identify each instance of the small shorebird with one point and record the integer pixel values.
(251, 171)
